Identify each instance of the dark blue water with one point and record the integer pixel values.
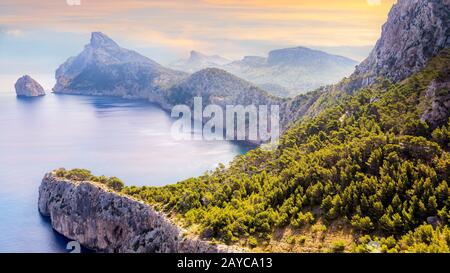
(115, 137)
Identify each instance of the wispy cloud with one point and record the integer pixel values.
(216, 26)
(12, 32)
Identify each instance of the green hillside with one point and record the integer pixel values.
(366, 168)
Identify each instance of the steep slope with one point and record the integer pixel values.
(198, 61)
(363, 164)
(219, 87)
(416, 30)
(293, 71)
(101, 219)
(365, 168)
(104, 68)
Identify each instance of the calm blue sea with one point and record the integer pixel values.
(115, 137)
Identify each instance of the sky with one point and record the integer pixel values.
(37, 36)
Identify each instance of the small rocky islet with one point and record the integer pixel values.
(28, 87)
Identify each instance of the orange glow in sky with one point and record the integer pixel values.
(228, 27)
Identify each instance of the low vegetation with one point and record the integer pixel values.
(366, 164)
(113, 183)
(367, 160)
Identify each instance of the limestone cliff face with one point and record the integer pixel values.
(106, 221)
(105, 68)
(438, 95)
(416, 31)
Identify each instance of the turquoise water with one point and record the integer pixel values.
(111, 136)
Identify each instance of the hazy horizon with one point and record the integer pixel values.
(37, 37)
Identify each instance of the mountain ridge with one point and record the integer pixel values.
(198, 61)
(103, 68)
(283, 72)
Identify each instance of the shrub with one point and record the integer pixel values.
(78, 174)
(115, 183)
(318, 228)
(252, 242)
(302, 240)
(362, 223)
(338, 247)
(60, 172)
(101, 179)
(303, 219)
(290, 240)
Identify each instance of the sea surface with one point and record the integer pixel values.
(115, 137)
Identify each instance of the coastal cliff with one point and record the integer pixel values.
(415, 31)
(104, 220)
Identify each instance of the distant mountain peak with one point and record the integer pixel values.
(103, 67)
(215, 59)
(303, 56)
(198, 61)
(99, 39)
(196, 55)
(291, 71)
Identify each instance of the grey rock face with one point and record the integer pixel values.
(416, 30)
(104, 68)
(28, 87)
(438, 94)
(107, 221)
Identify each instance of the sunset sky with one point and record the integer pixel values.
(41, 34)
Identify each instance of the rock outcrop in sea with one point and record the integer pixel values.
(106, 221)
(28, 87)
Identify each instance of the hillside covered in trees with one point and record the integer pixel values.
(365, 169)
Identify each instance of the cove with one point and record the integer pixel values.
(111, 136)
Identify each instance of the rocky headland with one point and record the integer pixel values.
(104, 220)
